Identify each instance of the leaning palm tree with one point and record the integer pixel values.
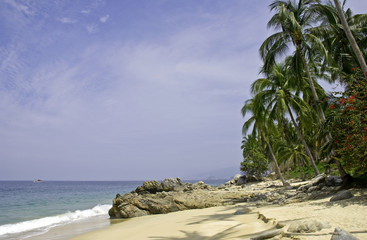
(276, 94)
(331, 32)
(293, 20)
(261, 127)
(351, 38)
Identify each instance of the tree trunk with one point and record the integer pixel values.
(300, 168)
(310, 81)
(300, 136)
(317, 100)
(351, 39)
(277, 169)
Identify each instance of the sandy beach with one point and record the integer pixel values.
(245, 221)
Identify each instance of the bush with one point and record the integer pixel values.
(347, 123)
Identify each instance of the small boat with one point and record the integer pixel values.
(37, 180)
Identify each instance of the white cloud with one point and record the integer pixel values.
(20, 7)
(67, 20)
(92, 28)
(104, 19)
(86, 11)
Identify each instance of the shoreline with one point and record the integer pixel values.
(214, 223)
(249, 219)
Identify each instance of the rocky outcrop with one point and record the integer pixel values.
(169, 196)
(346, 194)
(340, 234)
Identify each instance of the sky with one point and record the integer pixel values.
(127, 90)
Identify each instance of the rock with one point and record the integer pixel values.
(341, 196)
(242, 180)
(151, 199)
(252, 178)
(340, 234)
(312, 189)
(236, 177)
(304, 188)
(242, 211)
(307, 226)
(333, 181)
(171, 184)
(318, 179)
(149, 187)
(131, 210)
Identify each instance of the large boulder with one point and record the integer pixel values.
(333, 181)
(242, 180)
(341, 196)
(171, 184)
(149, 187)
(170, 196)
(340, 234)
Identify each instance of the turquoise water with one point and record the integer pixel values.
(28, 208)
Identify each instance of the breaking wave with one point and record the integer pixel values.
(44, 224)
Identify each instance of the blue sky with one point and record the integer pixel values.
(125, 90)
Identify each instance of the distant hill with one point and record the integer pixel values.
(222, 173)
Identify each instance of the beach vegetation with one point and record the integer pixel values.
(302, 129)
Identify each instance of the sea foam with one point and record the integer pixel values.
(46, 223)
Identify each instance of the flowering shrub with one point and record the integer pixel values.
(347, 122)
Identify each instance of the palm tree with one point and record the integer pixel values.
(291, 151)
(293, 20)
(261, 127)
(254, 159)
(275, 93)
(330, 30)
(351, 39)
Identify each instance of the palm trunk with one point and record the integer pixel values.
(277, 169)
(317, 100)
(300, 168)
(310, 81)
(300, 136)
(351, 39)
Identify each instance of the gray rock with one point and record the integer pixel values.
(304, 188)
(333, 181)
(341, 196)
(143, 202)
(149, 187)
(307, 226)
(318, 179)
(241, 181)
(242, 211)
(171, 184)
(236, 177)
(340, 234)
(312, 189)
(252, 178)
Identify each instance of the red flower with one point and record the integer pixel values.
(332, 106)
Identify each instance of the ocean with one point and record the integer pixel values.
(30, 209)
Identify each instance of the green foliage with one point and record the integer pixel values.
(309, 172)
(254, 160)
(348, 124)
